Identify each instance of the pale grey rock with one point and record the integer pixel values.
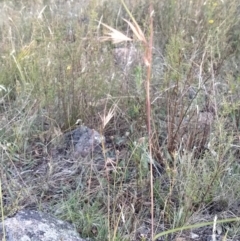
(126, 57)
(29, 225)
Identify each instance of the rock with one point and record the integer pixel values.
(126, 57)
(29, 225)
(71, 158)
(196, 130)
(84, 141)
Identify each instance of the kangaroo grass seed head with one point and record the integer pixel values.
(115, 36)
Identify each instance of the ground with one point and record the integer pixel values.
(57, 74)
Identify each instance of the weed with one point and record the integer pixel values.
(166, 101)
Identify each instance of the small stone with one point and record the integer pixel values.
(84, 141)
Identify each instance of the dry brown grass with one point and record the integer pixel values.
(56, 71)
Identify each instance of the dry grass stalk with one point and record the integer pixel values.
(117, 37)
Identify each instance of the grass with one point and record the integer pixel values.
(55, 70)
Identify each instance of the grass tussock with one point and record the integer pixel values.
(184, 143)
